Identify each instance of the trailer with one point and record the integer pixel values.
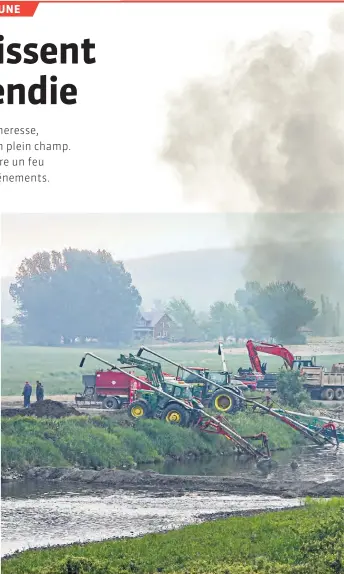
(108, 389)
(324, 385)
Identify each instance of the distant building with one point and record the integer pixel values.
(155, 325)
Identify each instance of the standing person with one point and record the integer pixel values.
(27, 394)
(39, 391)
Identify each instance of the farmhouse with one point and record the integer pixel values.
(155, 325)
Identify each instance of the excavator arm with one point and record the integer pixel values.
(253, 348)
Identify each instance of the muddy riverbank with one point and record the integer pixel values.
(153, 481)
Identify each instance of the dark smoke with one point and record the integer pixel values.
(270, 129)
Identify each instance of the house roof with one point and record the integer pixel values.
(153, 316)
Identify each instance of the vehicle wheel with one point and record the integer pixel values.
(110, 403)
(139, 409)
(225, 402)
(339, 394)
(175, 414)
(327, 395)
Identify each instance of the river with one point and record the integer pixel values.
(313, 463)
(36, 514)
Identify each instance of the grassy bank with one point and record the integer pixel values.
(59, 369)
(308, 540)
(103, 442)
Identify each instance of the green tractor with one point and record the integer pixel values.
(173, 401)
(226, 400)
(150, 404)
(213, 388)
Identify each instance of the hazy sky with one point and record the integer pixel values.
(144, 53)
(127, 236)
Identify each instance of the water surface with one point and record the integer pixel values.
(36, 514)
(47, 514)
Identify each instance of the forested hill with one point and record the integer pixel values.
(201, 277)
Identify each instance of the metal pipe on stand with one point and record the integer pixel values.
(312, 435)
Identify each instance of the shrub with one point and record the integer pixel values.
(100, 442)
(290, 389)
(20, 453)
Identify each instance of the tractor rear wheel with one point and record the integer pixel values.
(175, 414)
(225, 402)
(139, 409)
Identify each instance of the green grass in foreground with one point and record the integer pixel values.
(101, 442)
(59, 369)
(308, 540)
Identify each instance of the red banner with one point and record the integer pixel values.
(18, 9)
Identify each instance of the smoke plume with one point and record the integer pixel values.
(269, 130)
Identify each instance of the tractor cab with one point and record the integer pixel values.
(300, 363)
(219, 377)
(178, 390)
(190, 378)
(190, 394)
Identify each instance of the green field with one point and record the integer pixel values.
(58, 368)
(308, 540)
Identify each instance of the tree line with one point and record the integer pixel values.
(84, 295)
(276, 311)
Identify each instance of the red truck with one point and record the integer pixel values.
(112, 389)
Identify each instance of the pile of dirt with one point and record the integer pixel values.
(46, 408)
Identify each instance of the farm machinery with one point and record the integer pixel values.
(290, 361)
(110, 389)
(222, 377)
(319, 383)
(214, 388)
(179, 403)
(258, 371)
(319, 434)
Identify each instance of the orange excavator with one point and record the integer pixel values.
(290, 361)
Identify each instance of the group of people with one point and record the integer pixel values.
(27, 392)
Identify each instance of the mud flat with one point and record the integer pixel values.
(146, 480)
